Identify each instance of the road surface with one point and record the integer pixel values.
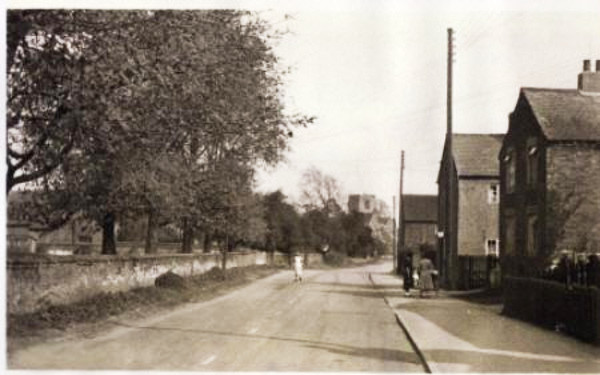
(335, 320)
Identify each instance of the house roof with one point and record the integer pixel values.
(420, 207)
(565, 115)
(476, 154)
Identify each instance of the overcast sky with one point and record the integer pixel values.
(375, 78)
(374, 75)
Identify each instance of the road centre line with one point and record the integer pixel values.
(209, 360)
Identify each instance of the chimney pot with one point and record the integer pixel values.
(588, 82)
(586, 65)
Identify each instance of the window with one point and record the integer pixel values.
(532, 235)
(367, 205)
(491, 247)
(494, 194)
(510, 170)
(510, 235)
(532, 165)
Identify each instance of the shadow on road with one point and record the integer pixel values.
(373, 353)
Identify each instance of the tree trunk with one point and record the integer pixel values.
(150, 247)
(188, 235)
(207, 241)
(224, 251)
(109, 245)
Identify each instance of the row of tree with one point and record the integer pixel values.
(270, 222)
(157, 114)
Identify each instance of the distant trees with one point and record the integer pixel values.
(320, 191)
(322, 224)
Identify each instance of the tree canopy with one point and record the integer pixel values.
(165, 113)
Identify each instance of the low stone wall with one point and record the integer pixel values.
(35, 281)
(313, 259)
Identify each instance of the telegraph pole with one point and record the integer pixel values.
(448, 250)
(449, 83)
(394, 246)
(400, 213)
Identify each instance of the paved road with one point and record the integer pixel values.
(333, 321)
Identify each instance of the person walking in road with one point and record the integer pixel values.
(407, 274)
(298, 266)
(426, 270)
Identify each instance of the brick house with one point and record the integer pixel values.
(550, 174)
(468, 191)
(418, 226)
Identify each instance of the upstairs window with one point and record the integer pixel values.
(510, 170)
(494, 194)
(532, 164)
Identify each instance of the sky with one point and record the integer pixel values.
(373, 73)
(375, 78)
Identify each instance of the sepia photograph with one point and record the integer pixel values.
(384, 186)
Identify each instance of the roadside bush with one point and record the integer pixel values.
(334, 258)
(170, 280)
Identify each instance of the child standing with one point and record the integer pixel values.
(298, 267)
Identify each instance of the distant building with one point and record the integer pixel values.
(550, 175)
(377, 216)
(418, 226)
(469, 196)
(27, 230)
(363, 203)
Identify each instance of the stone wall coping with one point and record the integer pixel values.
(23, 259)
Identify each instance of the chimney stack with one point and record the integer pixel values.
(588, 82)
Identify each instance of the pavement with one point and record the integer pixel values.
(453, 335)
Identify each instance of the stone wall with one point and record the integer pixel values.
(35, 281)
(574, 170)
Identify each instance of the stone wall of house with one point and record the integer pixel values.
(477, 219)
(573, 170)
(33, 282)
(416, 234)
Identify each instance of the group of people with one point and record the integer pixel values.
(424, 277)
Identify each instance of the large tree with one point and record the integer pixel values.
(283, 223)
(43, 117)
(170, 112)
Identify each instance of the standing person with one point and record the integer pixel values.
(425, 275)
(407, 274)
(298, 267)
(593, 271)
